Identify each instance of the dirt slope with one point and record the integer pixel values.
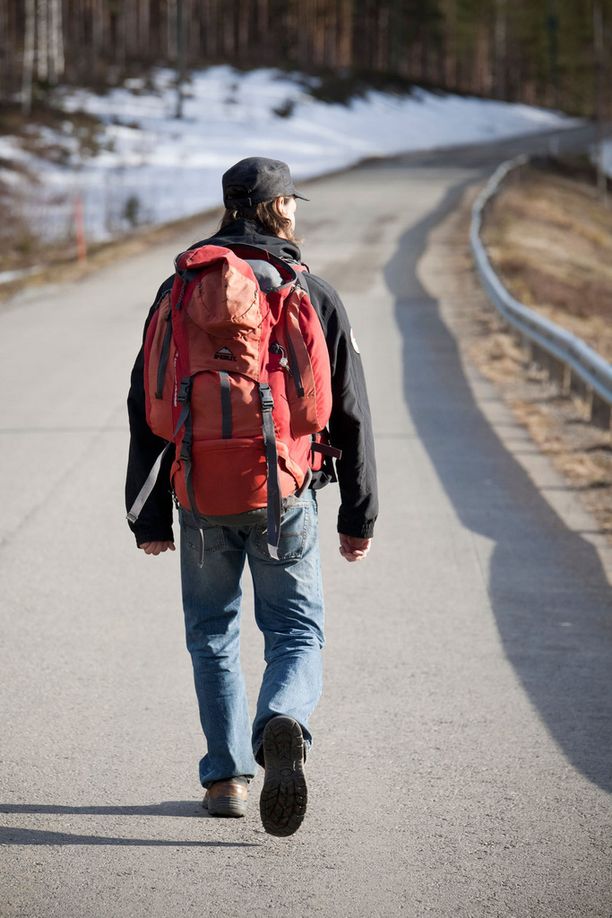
(550, 239)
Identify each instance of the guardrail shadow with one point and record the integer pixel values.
(548, 590)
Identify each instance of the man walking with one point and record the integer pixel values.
(260, 201)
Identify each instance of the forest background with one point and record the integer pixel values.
(543, 52)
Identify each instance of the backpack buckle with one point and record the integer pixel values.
(267, 402)
(184, 392)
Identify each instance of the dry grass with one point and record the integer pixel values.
(550, 239)
(21, 245)
(580, 451)
(63, 267)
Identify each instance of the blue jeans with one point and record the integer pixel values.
(289, 613)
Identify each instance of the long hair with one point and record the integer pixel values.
(266, 215)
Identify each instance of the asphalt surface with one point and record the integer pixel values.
(462, 762)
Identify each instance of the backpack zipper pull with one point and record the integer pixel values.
(276, 348)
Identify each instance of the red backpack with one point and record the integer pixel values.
(239, 380)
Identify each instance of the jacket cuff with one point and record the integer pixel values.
(363, 530)
(143, 535)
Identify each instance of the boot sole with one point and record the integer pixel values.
(282, 804)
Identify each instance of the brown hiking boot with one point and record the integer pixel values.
(227, 797)
(282, 804)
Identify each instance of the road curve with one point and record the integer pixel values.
(462, 762)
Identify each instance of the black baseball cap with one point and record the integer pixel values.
(257, 179)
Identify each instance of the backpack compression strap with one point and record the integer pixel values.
(274, 491)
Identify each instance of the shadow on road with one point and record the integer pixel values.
(548, 591)
(17, 836)
(183, 808)
(11, 835)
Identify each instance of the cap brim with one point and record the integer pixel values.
(300, 196)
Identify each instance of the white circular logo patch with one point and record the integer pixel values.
(354, 341)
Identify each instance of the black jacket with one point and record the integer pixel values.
(350, 425)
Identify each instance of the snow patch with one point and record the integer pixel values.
(152, 168)
(606, 157)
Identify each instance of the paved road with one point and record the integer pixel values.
(462, 764)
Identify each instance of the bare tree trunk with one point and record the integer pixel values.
(97, 32)
(181, 52)
(598, 49)
(56, 46)
(28, 56)
(129, 17)
(192, 15)
(345, 33)
(6, 63)
(500, 44)
(120, 42)
(144, 26)
(262, 23)
(552, 25)
(331, 27)
(304, 37)
(319, 33)
(42, 40)
(382, 38)
(171, 29)
(210, 29)
(229, 34)
(485, 70)
(243, 27)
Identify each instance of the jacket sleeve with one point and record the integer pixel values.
(350, 425)
(155, 521)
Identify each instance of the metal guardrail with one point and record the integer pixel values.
(574, 359)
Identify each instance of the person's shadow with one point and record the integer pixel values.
(548, 590)
(11, 835)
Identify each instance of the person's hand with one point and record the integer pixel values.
(156, 548)
(352, 548)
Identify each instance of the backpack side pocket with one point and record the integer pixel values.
(159, 351)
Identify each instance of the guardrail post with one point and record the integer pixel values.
(527, 350)
(538, 357)
(600, 412)
(557, 372)
(566, 381)
(579, 388)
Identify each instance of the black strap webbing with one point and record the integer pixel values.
(163, 358)
(294, 368)
(326, 449)
(187, 465)
(274, 491)
(226, 405)
(186, 457)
